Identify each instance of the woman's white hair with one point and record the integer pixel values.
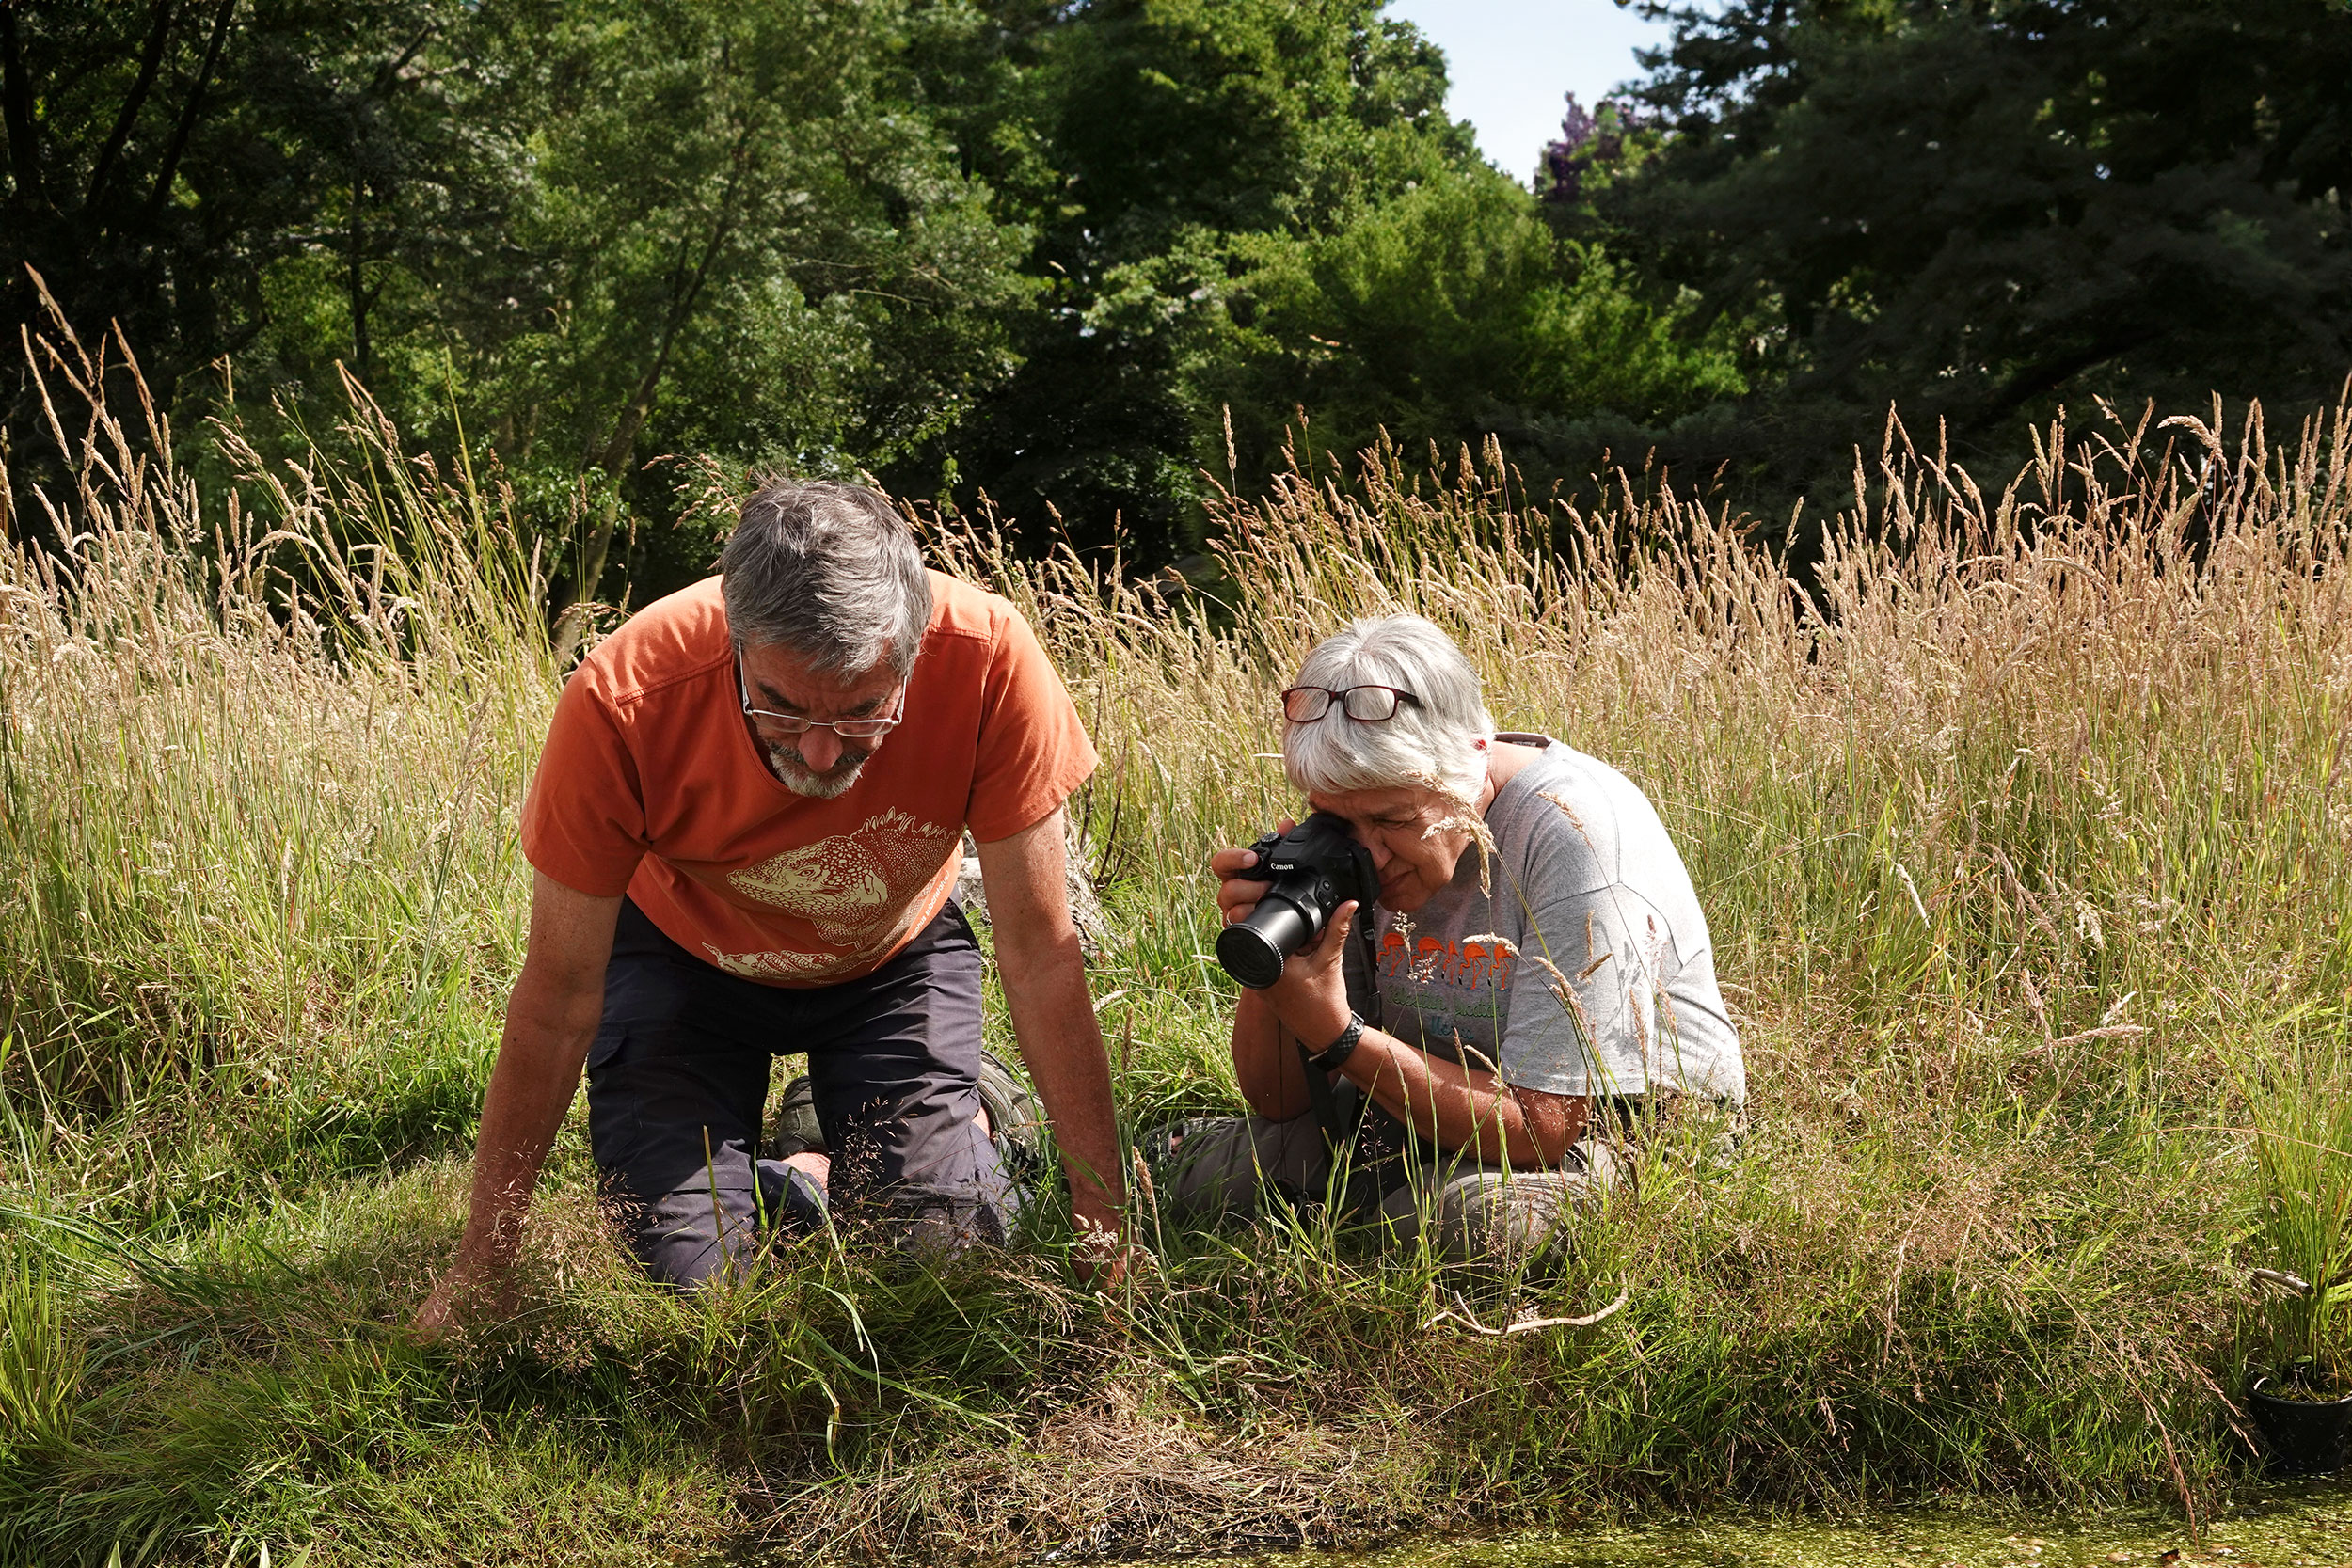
(1436, 741)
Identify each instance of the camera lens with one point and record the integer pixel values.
(1253, 950)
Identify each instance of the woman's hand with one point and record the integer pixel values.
(1312, 990)
(1310, 998)
(1236, 895)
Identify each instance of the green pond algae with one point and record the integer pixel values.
(2283, 1526)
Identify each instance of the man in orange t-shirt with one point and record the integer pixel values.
(744, 829)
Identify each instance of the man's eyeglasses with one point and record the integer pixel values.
(1366, 705)
(792, 723)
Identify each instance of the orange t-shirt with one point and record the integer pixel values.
(651, 785)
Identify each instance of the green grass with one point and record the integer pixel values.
(2022, 829)
(2301, 1124)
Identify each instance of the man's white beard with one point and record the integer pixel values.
(792, 772)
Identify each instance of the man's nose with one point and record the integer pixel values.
(820, 750)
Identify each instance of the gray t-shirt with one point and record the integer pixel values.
(1590, 900)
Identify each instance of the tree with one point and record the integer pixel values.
(1985, 209)
(1178, 129)
(601, 232)
(738, 241)
(162, 159)
(1447, 314)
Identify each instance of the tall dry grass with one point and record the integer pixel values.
(259, 750)
(2056, 772)
(2020, 824)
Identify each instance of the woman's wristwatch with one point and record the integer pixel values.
(1338, 1051)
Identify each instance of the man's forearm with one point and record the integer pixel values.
(551, 1018)
(1061, 1043)
(1043, 971)
(531, 1089)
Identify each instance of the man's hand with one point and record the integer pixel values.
(462, 1296)
(1043, 972)
(551, 1022)
(1104, 1258)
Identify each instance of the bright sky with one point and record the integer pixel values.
(1511, 61)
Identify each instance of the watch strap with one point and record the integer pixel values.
(1330, 1056)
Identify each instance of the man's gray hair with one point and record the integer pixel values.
(830, 572)
(1431, 743)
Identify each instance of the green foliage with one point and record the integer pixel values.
(1183, 131)
(731, 237)
(1266, 211)
(2302, 1124)
(1988, 209)
(1032, 252)
(1448, 312)
(41, 1361)
(601, 232)
(1177, 114)
(162, 160)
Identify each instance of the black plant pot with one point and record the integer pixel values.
(2304, 1436)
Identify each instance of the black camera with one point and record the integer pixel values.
(1316, 867)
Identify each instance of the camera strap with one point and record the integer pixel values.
(1337, 1137)
(1326, 1104)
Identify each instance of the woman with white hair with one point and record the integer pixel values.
(1535, 969)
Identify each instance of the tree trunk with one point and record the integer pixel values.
(18, 111)
(356, 281)
(186, 128)
(152, 60)
(570, 618)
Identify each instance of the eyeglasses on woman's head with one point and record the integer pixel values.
(1366, 705)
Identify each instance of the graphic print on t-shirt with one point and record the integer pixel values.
(854, 888)
(1460, 990)
(1587, 887)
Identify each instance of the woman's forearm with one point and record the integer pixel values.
(1456, 1108)
(1464, 1109)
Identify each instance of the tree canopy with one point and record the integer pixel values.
(1085, 262)
(1984, 211)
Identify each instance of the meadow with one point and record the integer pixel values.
(2021, 821)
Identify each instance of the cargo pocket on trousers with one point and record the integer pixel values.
(605, 1049)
